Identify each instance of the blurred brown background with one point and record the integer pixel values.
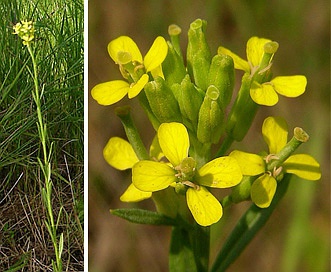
(297, 236)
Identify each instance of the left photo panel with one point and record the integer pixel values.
(42, 135)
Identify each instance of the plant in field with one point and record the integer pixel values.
(186, 101)
(25, 30)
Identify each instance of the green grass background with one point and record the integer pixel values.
(297, 236)
(58, 48)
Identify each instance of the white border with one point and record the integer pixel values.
(85, 135)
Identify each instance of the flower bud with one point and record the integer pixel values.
(242, 112)
(173, 66)
(162, 101)
(210, 123)
(189, 100)
(198, 54)
(221, 75)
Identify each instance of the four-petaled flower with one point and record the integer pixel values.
(151, 176)
(265, 93)
(275, 133)
(134, 68)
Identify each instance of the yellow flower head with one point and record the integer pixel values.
(266, 93)
(25, 30)
(151, 176)
(134, 68)
(275, 133)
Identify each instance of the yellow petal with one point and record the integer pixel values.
(132, 194)
(239, 63)
(156, 54)
(157, 72)
(221, 172)
(174, 142)
(304, 166)
(263, 190)
(263, 94)
(290, 86)
(152, 176)
(250, 164)
(110, 92)
(255, 50)
(119, 154)
(205, 208)
(136, 88)
(274, 131)
(124, 44)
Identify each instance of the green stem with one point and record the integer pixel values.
(246, 229)
(131, 132)
(201, 246)
(46, 167)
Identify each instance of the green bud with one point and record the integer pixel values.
(198, 54)
(173, 66)
(189, 100)
(242, 191)
(210, 123)
(162, 101)
(174, 32)
(221, 75)
(242, 112)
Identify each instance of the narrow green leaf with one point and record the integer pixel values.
(247, 227)
(140, 216)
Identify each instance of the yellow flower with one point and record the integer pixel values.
(120, 155)
(181, 173)
(265, 93)
(25, 30)
(275, 133)
(134, 68)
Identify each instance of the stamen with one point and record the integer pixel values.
(271, 157)
(191, 184)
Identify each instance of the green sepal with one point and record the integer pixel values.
(198, 54)
(173, 66)
(189, 99)
(242, 191)
(181, 255)
(162, 101)
(140, 216)
(242, 112)
(210, 123)
(221, 75)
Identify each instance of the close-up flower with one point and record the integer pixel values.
(135, 69)
(275, 132)
(181, 172)
(266, 92)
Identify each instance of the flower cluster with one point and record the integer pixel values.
(25, 30)
(186, 101)
(269, 169)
